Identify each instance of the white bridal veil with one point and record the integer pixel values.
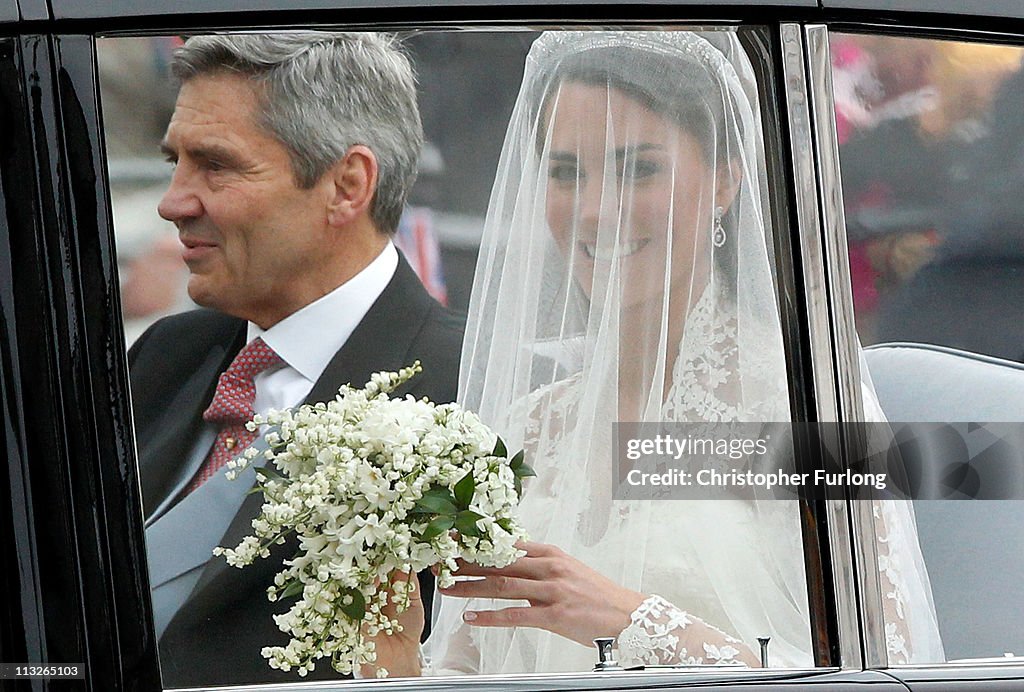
(624, 276)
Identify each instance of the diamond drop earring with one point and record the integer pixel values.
(718, 236)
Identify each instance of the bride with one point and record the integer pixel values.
(624, 276)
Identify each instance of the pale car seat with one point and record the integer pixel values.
(974, 549)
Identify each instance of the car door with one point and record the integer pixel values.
(921, 225)
(76, 524)
(66, 582)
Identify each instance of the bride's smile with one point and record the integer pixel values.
(591, 250)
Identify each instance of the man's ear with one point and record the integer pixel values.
(353, 181)
(727, 183)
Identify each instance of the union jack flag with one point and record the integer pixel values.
(417, 240)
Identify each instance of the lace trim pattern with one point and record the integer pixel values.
(891, 570)
(654, 636)
(707, 384)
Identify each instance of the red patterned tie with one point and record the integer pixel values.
(232, 407)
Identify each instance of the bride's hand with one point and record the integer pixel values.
(566, 596)
(399, 652)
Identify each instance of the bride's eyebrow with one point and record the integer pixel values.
(634, 149)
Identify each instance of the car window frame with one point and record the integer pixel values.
(780, 204)
(837, 311)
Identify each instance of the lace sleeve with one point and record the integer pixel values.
(898, 642)
(659, 633)
(911, 627)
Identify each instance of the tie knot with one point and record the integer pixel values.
(236, 391)
(254, 358)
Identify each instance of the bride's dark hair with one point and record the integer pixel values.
(683, 91)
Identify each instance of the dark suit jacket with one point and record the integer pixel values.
(216, 636)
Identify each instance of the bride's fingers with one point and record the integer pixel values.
(534, 549)
(523, 616)
(525, 568)
(519, 570)
(501, 586)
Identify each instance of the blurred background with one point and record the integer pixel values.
(931, 149)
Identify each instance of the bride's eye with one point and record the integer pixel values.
(640, 168)
(564, 172)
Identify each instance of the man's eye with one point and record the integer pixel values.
(564, 172)
(211, 165)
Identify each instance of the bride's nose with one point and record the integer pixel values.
(596, 202)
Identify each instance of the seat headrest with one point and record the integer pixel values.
(927, 383)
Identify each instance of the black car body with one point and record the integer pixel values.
(74, 579)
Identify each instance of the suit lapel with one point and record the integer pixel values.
(176, 430)
(383, 339)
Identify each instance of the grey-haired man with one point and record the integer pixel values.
(293, 155)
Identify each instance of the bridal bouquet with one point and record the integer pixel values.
(370, 485)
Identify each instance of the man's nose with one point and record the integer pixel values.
(181, 201)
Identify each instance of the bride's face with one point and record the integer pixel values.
(626, 185)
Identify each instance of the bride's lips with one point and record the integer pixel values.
(195, 249)
(606, 254)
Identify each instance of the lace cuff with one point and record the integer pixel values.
(655, 636)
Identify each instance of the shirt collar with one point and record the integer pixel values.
(309, 338)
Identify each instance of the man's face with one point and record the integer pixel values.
(252, 239)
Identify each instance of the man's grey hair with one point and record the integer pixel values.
(321, 94)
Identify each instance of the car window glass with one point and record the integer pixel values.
(697, 582)
(930, 146)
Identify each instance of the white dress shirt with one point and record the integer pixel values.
(308, 339)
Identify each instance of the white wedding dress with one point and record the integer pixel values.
(730, 568)
(624, 275)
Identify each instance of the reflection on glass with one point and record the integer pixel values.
(932, 157)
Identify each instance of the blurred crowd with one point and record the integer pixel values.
(931, 137)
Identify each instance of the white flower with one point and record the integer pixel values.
(353, 471)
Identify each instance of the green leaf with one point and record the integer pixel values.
(465, 523)
(292, 588)
(254, 489)
(519, 487)
(523, 471)
(357, 608)
(499, 449)
(438, 526)
(267, 473)
(433, 503)
(505, 523)
(464, 490)
(517, 460)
